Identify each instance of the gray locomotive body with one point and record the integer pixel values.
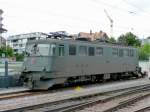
(49, 62)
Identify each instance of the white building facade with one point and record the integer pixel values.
(18, 42)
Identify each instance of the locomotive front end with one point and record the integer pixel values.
(37, 66)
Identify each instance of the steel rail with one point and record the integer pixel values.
(85, 103)
(128, 102)
(143, 109)
(106, 100)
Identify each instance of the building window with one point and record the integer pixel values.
(99, 51)
(82, 50)
(31, 38)
(14, 45)
(72, 50)
(20, 45)
(15, 40)
(91, 51)
(115, 51)
(15, 50)
(61, 50)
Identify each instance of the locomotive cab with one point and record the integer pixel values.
(37, 63)
(39, 57)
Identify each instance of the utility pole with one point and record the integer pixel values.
(111, 23)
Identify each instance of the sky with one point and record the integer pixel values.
(74, 16)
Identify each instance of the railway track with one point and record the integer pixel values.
(128, 97)
(140, 103)
(73, 104)
(54, 101)
(126, 102)
(129, 102)
(26, 92)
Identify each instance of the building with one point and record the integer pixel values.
(2, 30)
(146, 41)
(18, 42)
(94, 36)
(2, 41)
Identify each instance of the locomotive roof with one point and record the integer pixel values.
(49, 40)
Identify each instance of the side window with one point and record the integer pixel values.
(127, 52)
(121, 53)
(115, 51)
(82, 50)
(131, 53)
(99, 51)
(136, 53)
(72, 50)
(61, 50)
(91, 51)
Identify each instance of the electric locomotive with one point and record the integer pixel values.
(52, 61)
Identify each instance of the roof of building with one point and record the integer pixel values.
(94, 36)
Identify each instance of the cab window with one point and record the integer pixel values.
(52, 49)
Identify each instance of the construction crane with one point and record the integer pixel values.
(111, 23)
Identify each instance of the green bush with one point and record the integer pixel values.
(19, 57)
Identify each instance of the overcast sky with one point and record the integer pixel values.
(73, 16)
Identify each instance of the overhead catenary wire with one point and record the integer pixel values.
(118, 9)
(133, 13)
(76, 19)
(133, 5)
(114, 7)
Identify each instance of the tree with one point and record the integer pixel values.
(8, 51)
(112, 40)
(129, 39)
(144, 52)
